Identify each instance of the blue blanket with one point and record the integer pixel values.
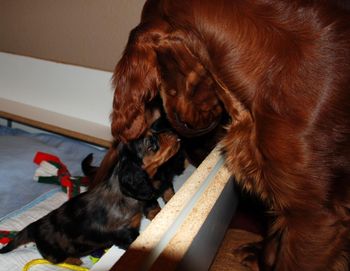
(17, 150)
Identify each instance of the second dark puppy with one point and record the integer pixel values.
(107, 215)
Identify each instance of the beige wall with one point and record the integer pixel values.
(90, 33)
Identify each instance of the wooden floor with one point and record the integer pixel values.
(227, 258)
(247, 227)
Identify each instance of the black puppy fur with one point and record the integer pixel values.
(108, 214)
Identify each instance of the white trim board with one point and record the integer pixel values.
(55, 122)
(74, 91)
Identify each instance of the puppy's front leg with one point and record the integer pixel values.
(151, 209)
(124, 237)
(165, 189)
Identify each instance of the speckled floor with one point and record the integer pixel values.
(246, 227)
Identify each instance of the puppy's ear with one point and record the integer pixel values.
(134, 181)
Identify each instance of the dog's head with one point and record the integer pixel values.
(188, 92)
(139, 161)
(157, 62)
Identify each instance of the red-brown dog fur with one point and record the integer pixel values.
(281, 70)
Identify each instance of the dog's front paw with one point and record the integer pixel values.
(249, 254)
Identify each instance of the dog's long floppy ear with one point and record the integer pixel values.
(137, 76)
(136, 81)
(175, 57)
(134, 181)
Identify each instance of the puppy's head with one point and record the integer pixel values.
(139, 161)
(168, 146)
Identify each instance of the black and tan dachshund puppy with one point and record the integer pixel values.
(161, 170)
(110, 213)
(162, 178)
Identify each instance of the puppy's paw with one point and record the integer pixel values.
(74, 261)
(168, 194)
(151, 213)
(151, 209)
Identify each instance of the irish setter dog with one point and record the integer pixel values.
(281, 70)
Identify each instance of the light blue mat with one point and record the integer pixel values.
(17, 150)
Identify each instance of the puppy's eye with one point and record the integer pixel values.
(154, 146)
(150, 144)
(146, 142)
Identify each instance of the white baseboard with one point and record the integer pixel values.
(74, 91)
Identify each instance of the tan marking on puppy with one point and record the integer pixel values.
(136, 221)
(153, 212)
(169, 145)
(74, 261)
(168, 194)
(156, 184)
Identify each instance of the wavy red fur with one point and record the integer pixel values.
(281, 70)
